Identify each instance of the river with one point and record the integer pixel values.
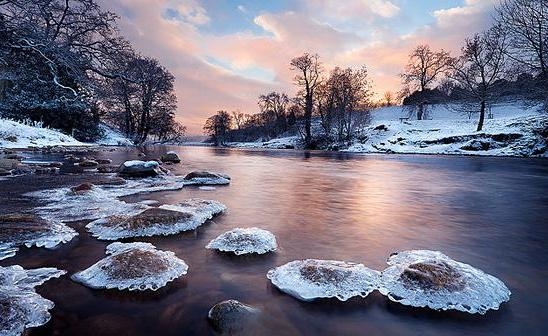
(487, 212)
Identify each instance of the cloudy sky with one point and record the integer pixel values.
(224, 53)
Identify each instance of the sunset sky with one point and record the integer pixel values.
(224, 53)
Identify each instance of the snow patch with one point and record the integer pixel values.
(244, 241)
(15, 134)
(132, 266)
(312, 279)
(423, 278)
(202, 209)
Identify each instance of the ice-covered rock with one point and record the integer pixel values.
(138, 168)
(244, 241)
(231, 317)
(20, 306)
(30, 230)
(312, 279)
(133, 266)
(170, 157)
(206, 178)
(423, 278)
(203, 209)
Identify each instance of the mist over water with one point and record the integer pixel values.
(487, 212)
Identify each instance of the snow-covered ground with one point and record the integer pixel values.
(512, 131)
(112, 137)
(14, 134)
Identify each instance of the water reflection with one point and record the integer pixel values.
(488, 212)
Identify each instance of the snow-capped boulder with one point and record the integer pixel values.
(133, 266)
(232, 317)
(30, 230)
(206, 178)
(203, 209)
(170, 157)
(312, 279)
(423, 278)
(20, 306)
(137, 168)
(244, 241)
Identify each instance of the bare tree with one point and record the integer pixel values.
(483, 62)
(217, 127)
(238, 118)
(388, 98)
(424, 68)
(308, 69)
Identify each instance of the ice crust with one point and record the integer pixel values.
(21, 307)
(192, 213)
(474, 291)
(49, 236)
(161, 268)
(245, 241)
(312, 279)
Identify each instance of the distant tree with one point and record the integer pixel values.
(308, 70)
(483, 62)
(424, 68)
(273, 109)
(217, 127)
(388, 98)
(238, 118)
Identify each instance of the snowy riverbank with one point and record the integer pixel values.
(513, 131)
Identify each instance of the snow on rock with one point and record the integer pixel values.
(232, 317)
(20, 306)
(137, 168)
(133, 266)
(312, 279)
(206, 178)
(423, 278)
(170, 157)
(202, 209)
(244, 241)
(30, 230)
(14, 134)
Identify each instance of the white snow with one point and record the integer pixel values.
(112, 137)
(138, 163)
(133, 266)
(21, 306)
(14, 134)
(277, 143)
(49, 236)
(245, 241)
(202, 209)
(311, 279)
(444, 283)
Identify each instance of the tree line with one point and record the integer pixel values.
(510, 59)
(65, 63)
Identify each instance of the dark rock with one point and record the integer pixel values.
(82, 188)
(14, 157)
(107, 169)
(478, 145)
(170, 157)
(8, 164)
(70, 168)
(381, 127)
(72, 159)
(104, 161)
(205, 174)
(46, 171)
(4, 172)
(232, 317)
(22, 169)
(88, 164)
(115, 181)
(506, 137)
(137, 168)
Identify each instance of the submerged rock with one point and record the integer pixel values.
(133, 266)
(137, 168)
(20, 306)
(311, 279)
(88, 163)
(170, 157)
(244, 241)
(423, 278)
(232, 317)
(206, 178)
(30, 230)
(165, 220)
(82, 188)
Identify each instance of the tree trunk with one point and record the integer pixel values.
(482, 116)
(420, 111)
(308, 119)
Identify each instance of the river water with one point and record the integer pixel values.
(487, 212)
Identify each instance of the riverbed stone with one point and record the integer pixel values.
(88, 164)
(137, 168)
(232, 317)
(170, 157)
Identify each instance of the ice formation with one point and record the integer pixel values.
(423, 278)
(244, 241)
(20, 306)
(311, 279)
(30, 230)
(206, 178)
(133, 266)
(165, 220)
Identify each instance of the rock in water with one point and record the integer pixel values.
(206, 178)
(82, 188)
(165, 220)
(30, 230)
(423, 278)
(232, 317)
(312, 279)
(137, 168)
(88, 164)
(244, 241)
(170, 157)
(133, 266)
(20, 306)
